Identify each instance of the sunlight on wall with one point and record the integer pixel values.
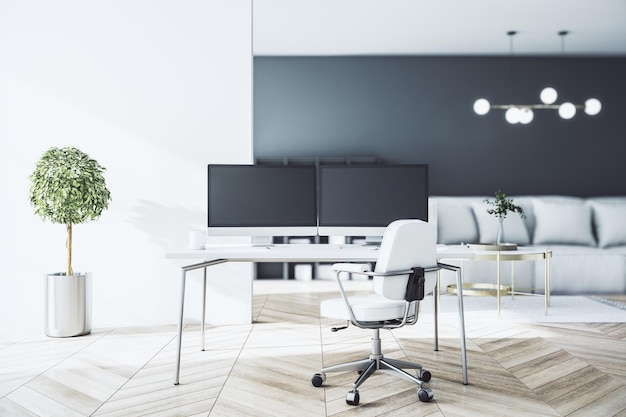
(154, 98)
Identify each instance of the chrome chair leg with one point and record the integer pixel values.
(376, 362)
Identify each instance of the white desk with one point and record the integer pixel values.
(214, 255)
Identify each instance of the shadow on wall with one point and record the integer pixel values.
(166, 226)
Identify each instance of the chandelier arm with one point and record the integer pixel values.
(532, 106)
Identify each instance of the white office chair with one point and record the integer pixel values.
(405, 271)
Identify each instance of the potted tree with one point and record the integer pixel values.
(501, 207)
(68, 187)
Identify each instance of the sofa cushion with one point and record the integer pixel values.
(526, 202)
(576, 269)
(513, 225)
(609, 215)
(455, 221)
(562, 220)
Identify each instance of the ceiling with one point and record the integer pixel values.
(439, 27)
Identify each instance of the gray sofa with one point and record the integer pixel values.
(587, 238)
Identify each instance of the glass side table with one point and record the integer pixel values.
(521, 253)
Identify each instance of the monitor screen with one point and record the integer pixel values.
(361, 200)
(262, 200)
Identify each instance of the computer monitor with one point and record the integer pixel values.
(262, 200)
(361, 200)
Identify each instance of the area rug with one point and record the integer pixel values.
(530, 309)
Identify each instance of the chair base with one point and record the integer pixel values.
(375, 362)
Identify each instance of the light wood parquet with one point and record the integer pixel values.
(264, 369)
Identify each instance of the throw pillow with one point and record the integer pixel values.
(610, 219)
(564, 221)
(514, 227)
(455, 223)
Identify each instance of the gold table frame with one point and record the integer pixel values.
(521, 254)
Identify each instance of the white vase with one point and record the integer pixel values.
(500, 235)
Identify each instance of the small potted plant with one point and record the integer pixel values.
(501, 207)
(68, 187)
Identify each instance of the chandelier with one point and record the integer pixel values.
(523, 113)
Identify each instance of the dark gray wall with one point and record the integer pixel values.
(419, 110)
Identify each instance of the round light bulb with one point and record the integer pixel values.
(593, 106)
(481, 106)
(548, 95)
(567, 110)
(526, 115)
(513, 115)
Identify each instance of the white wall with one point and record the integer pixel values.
(154, 90)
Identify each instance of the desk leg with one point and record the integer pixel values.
(203, 320)
(180, 328)
(546, 272)
(459, 294)
(436, 312)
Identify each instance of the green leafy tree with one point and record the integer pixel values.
(502, 206)
(68, 187)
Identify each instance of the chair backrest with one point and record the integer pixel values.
(405, 244)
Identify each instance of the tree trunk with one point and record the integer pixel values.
(70, 271)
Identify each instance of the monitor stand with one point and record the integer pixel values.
(262, 241)
(373, 240)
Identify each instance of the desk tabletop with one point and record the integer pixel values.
(522, 253)
(302, 253)
(281, 253)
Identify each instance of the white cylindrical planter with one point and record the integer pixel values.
(67, 304)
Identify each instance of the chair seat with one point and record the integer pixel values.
(369, 307)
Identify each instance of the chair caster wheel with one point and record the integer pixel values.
(425, 394)
(352, 397)
(318, 380)
(425, 376)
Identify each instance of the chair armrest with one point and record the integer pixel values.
(363, 269)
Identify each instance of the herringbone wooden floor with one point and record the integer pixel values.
(264, 369)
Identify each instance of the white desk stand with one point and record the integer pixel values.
(216, 255)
